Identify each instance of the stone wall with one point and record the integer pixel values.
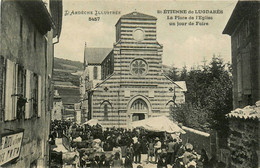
(199, 140)
(244, 142)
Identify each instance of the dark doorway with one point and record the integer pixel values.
(138, 116)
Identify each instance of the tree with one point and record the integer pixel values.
(192, 116)
(173, 73)
(184, 74)
(208, 97)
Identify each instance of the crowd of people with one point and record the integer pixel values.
(118, 147)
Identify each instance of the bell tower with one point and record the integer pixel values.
(139, 54)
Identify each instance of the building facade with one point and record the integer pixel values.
(70, 95)
(58, 108)
(243, 27)
(130, 82)
(26, 58)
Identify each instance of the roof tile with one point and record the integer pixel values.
(248, 112)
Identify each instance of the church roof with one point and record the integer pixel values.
(96, 55)
(138, 15)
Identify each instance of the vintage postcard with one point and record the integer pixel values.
(141, 83)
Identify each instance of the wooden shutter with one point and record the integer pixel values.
(15, 92)
(2, 86)
(28, 94)
(10, 69)
(39, 95)
(246, 70)
(239, 77)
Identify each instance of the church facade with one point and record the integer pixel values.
(126, 83)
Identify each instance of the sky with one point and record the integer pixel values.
(182, 45)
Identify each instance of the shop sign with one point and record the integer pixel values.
(10, 147)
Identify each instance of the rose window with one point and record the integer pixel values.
(139, 67)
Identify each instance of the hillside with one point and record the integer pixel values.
(60, 63)
(65, 70)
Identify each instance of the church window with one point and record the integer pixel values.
(139, 105)
(139, 67)
(105, 112)
(105, 108)
(95, 72)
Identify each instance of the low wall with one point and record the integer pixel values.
(199, 140)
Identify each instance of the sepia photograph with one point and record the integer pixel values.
(129, 84)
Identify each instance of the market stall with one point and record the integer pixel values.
(91, 122)
(158, 124)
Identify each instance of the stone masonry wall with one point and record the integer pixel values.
(243, 142)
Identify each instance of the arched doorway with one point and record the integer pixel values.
(139, 109)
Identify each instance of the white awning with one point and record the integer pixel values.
(158, 124)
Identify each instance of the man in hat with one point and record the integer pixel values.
(150, 151)
(157, 148)
(170, 152)
(137, 151)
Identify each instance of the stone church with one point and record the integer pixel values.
(126, 83)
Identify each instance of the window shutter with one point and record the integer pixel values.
(28, 94)
(2, 86)
(10, 68)
(239, 77)
(39, 95)
(246, 70)
(15, 92)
